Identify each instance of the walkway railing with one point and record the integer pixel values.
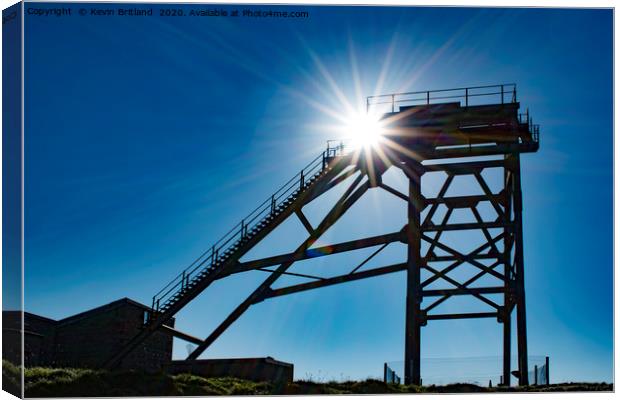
(468, 96)
(533, 128)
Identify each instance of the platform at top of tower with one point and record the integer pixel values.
(458, 122)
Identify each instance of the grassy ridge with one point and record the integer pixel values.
(61, 382)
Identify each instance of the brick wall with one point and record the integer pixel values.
(87, 339)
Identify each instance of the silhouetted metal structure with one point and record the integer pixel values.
(453, 131)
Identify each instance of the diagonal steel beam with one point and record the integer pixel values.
(466, 258)
(349, 198)
(370, 257)
(304, 221)
(332, 281)
(335, 181)
(487, 191)
(393, 191)
(291, 274)
(444, 222)
(321, 251)
(431, 213)
(440, 195)
(161, 318)
(460, 260)
(464, 288)
(485, 231)
(466, 284)
(181, 335)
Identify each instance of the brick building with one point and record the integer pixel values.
(86, 339)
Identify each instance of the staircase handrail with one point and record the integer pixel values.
(237, 231)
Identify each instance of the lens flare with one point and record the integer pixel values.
(364, 130)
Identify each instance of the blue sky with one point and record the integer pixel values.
(148, 138)
(11, 176)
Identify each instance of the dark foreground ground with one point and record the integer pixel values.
(48, 382)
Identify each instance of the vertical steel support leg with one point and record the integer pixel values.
(414, 290)
(521, 324)
(507, 320)
(507, 342)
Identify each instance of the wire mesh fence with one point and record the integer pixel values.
(539, 374)
(389, 375)
(481, 371)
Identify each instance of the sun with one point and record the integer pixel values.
(364, 130)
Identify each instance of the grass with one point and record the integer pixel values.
(70, 382)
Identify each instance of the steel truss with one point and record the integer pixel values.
(503, 249)
(498, 259)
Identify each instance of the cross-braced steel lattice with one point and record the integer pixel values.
(500, 256)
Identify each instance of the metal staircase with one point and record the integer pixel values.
(238, 241)
(222, 258)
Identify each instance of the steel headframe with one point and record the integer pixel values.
(500, 249)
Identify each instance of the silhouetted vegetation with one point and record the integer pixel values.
(64, 382)
(11, 378)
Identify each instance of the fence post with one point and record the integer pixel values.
(183, 281)
(273, 204)
(392, 103)
(242, 228)
(301, 180)
(502, 94)
(385, 372)
(535, 375)
(466, 97)
(428, 98)
(547, 370)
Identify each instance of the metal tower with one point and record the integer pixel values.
(455, 133)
